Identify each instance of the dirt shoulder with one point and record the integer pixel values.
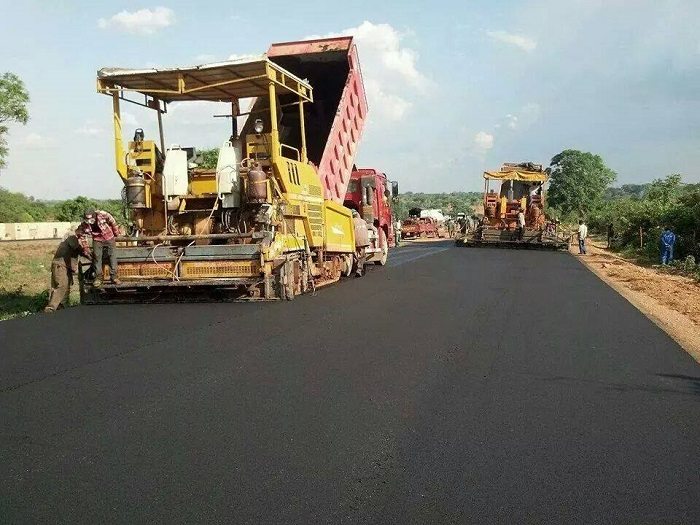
(25, 276)
(670, 301)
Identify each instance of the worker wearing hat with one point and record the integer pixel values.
(63, 267)
(101, 227)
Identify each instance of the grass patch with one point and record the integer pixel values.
(25, 277)
(18, 303)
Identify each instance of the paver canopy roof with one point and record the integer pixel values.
(218, 82)
(525, 176)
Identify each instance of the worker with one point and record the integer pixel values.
(63, 267)
(462, 224)
(521, 224)
(361, 242)
(582, 234)
(397, 231)
(101, 227)
(668, 239)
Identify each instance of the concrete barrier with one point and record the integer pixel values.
(23, 231)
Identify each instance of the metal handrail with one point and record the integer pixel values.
(293, 149)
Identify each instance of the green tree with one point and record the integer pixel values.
(13, 108)
(209, 158)
(116, 208)
(665, 190)
(635, 191)
(72, 210)
(578, 181)
(16, 207)
(664, 202)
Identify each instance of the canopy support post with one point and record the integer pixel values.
(160, 128)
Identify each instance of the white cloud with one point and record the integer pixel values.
(89, 129)
(523, 42)
(129, 119)
(383, 43)
(193, 124)
(244, 57)
(144, 21)
(392, 106)
(34, 140)
(205, 58)
(389, 69)
(483, 142)
(529, 114)
(524, 118)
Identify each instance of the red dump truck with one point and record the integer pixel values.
(334, 125)
(370, 192)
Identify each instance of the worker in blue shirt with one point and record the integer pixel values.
(668, 239)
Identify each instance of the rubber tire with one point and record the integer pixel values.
(385, 248)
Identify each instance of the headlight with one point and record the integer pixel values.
(258, 126)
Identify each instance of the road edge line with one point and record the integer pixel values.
(691, 345)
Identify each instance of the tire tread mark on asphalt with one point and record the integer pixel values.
(690, 390)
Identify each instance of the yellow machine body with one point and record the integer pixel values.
(299, 225)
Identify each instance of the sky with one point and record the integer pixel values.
(454, 87)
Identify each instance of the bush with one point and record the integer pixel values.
(17, 207)
(688, 264)
(665, 202)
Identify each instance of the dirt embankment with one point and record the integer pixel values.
(671, 301)
(25, 276)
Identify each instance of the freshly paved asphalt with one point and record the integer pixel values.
(454, 385)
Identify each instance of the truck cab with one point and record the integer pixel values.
(371, 193)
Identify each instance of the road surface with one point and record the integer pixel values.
(454, 385)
